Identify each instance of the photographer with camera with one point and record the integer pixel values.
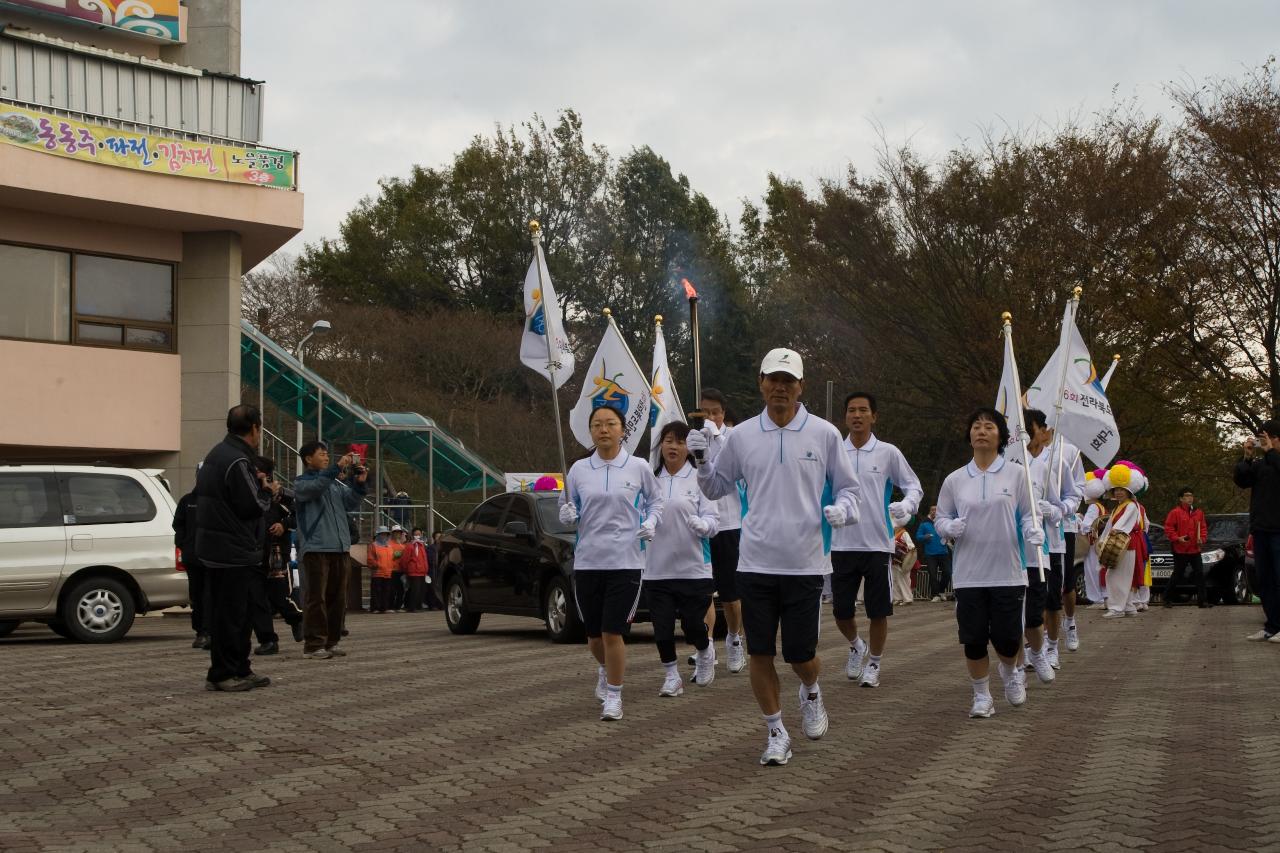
(323, 495)
(269, 587)
(1259, 471)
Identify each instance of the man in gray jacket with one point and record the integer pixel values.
(322, 498)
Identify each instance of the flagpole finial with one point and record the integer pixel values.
(1076, 291)
(1007, 318)
(1115, 357)
(534, 227)
(657, 319)
(607, 312)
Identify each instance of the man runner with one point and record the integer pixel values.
(725, 544)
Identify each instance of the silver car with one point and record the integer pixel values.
(84, 548)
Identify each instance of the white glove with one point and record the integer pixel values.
(697, 441)
(568, 513)
(645, 533)
(1034, 537)
(835, 515)
(899, 514)
(699, 526)
(955, 529)
(1050, 512)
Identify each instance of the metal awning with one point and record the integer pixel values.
(414, 438)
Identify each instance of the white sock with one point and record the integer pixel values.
(1053, 645)
(1071, 621)
(812, 690)
(615, 689)
(773, 723)
(982, 687)
(600, 672)
(672, 670)
(1006, 672)
(858, 645)
(874, 660)
(732, 639)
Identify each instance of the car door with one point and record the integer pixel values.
(33, 541)
(105, 521)
(515, 562)
(480, 539)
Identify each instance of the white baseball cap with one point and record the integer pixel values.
(783, 361)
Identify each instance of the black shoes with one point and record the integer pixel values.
(297, 632)
(267, 649)
(1204, 605)
(202, 641)
(230, 685)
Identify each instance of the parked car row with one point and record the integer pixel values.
(84, 548)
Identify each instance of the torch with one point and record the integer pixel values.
(696, 418)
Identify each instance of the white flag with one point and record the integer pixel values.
(1086, 419)
(1111, 371)
(1009, 397)
(542, 317)
(664, 407)
(614, 379)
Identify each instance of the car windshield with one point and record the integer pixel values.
(549, 514)
(1229, 528)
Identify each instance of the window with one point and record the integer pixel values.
(520, 511)
(123, 303)
(29, 500)
(488, 515)
(35, 294)
(106, 499)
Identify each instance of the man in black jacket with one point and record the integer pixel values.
(231, 499)
(184, 537)
(269, 586)
(1259, 471)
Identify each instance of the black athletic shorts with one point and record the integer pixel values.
(1070, 570)
(607, 600)
(724, 564)
(990, 614)
(869, 569)
(1053, 584)
(1034, 602)
(793, 602)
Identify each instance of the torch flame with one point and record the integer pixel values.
(688, 289)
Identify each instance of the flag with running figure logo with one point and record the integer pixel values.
(664, 407)
(1074, 399)
(541, 318)
(615, 380)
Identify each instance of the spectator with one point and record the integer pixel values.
(231, 498)
(382, 562)
(184, 537)
(397, 588)
(400, 512)
(415, 564)
(1186, 531)
(269, 587)
(1259, 471)
(937, 556)
(904, 563)
(323, 495)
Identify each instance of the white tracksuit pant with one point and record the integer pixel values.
(1119, 581)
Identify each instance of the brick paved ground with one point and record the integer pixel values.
(1161, 733)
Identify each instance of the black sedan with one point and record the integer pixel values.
(1226, 578)
(513, 556)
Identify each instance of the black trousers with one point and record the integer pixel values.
(688, 599)
(269, 597)
(414, 595)
(1181, 563)
(397, 591)
(198, 592)
(939, 572)
(229, 622)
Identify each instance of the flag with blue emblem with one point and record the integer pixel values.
(541, 318)
(615, 380)
(664, 407)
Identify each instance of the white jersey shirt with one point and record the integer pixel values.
(730, 507)
(1067, 475)
(613, 499)
(787, 472)
(676, 552)
(996, 508)
(879, 467)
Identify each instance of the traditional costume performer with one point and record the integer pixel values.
(1123, 549)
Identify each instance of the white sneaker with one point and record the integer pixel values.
(936, 599)
(1014, 690)
(1044, 671)
(853, 667)
(1113, 614)
(1142, 605)
(1259, 636)
(814, 714)
(1073, 638)
(871, 675)
(672, 686)
(778, 750)
(1131, 611)
(1051, 655)
(602, 689)
(983, 706)
(1099, 605)
(612, 709)
(704, 670)
(1274, 638)
(736, 655)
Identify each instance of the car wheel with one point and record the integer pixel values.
(8, 626)
(1238, 591)
(456, 615)
(560, 613)
(98, 610)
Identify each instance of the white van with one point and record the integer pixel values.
(83, 548)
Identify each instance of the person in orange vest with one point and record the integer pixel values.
(414, 563)
(1186, 531)
(382, 562)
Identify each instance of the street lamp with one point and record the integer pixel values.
(319, 327)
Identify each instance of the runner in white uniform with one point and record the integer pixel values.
(1062, 459)
(615, 501)
(725, 544)
(789, 460)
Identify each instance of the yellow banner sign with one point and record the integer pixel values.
(147, 152)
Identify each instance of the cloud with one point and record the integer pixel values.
(726, 91)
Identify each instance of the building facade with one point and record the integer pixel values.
(134, 193)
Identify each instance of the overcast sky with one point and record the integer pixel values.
(726, 91)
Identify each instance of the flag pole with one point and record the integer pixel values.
(535, 233)
(1007, 319)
